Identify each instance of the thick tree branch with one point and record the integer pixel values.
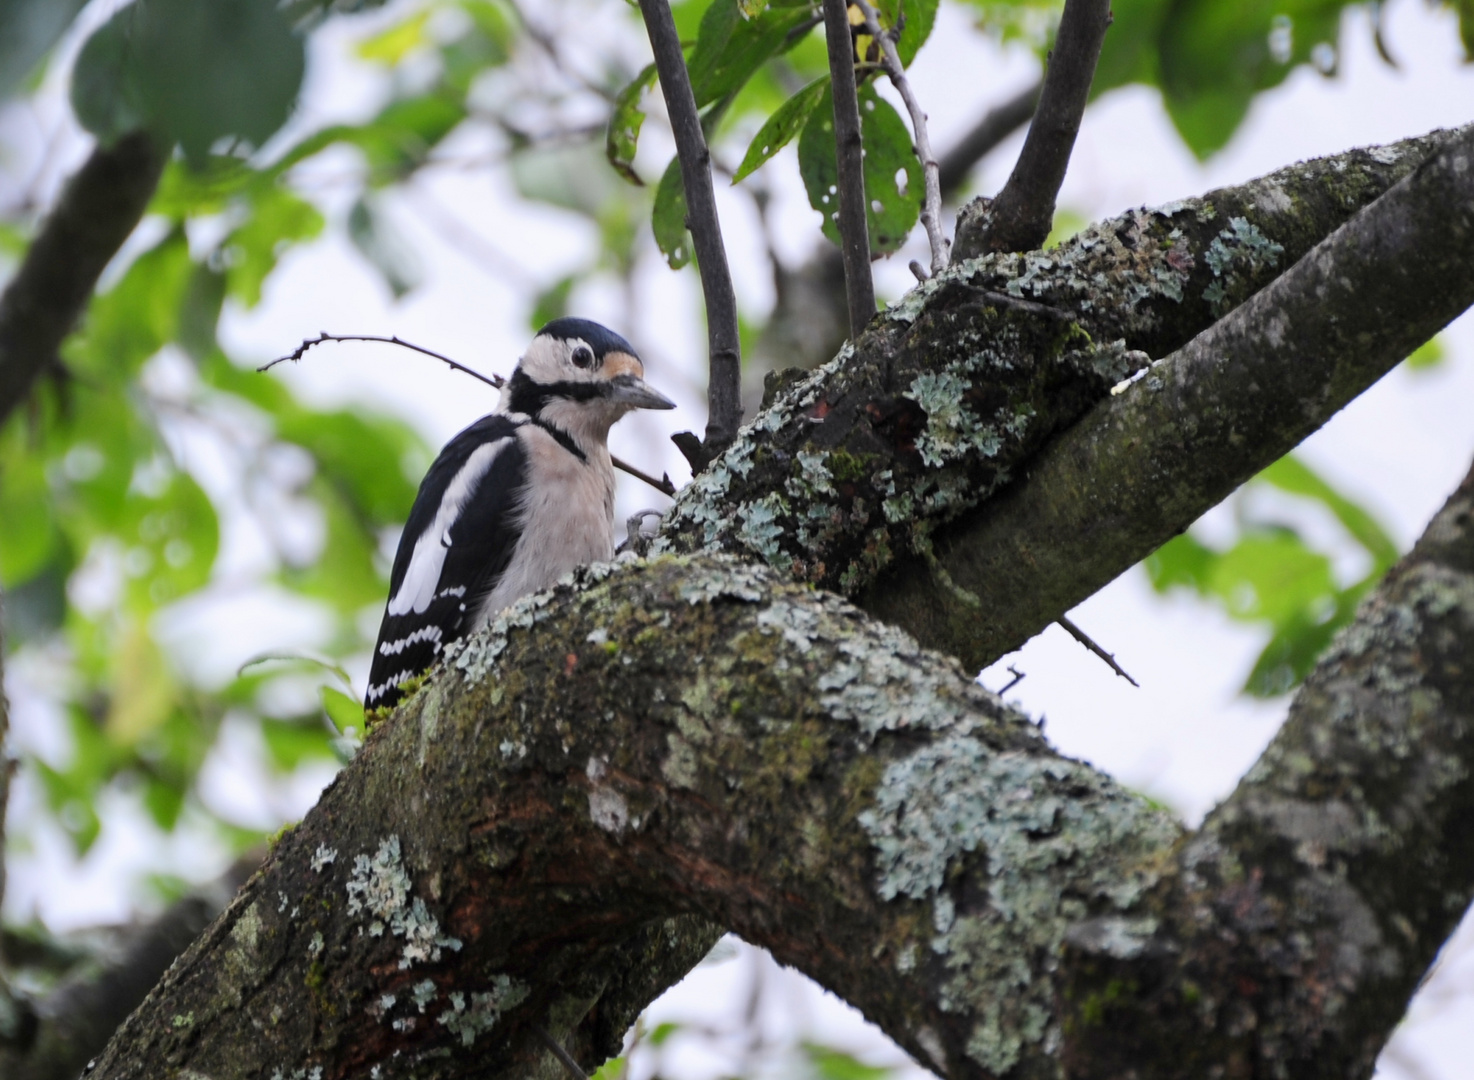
(1020, 218)
(848, 476)
(896, 832)
(98, 209)
(1147, 462)
(854, 230)
(997, 124)
(1324, 887)
(724, 383)
(571, 779)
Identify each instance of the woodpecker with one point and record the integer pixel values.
(515, 501)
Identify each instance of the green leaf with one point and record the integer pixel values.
(891, 212)
(136, 317)
(28, 30)
(143, 689)
(398, 41)
(291, 743)
(376, 238)
(346, 713)
(663, 1032)
(613, 1069)
(1465, 9)
(28, 533)
(782, 127)
(163, 801)
(552, 302)
(833, 1064)
(1181, 562)
(193, 73)
(1291, 474)
(278, 219)
(729, 48)
(623, 136)
(669, 217)
(1428, 355)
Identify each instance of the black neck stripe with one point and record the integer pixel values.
(565, 440)
(530, 397)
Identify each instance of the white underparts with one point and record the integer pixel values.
(423, 575)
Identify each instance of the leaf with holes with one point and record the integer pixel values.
(623, 137)
(893, 179)
(785, 123)
(669, 217)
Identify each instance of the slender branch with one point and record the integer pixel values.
(1020, 218)
(565, 1059)
(854, 231)
(1085, 639)
(98, 209)
(724, 387)
(1241, 394)
(663, 485)
(931, 206)
(996, 125)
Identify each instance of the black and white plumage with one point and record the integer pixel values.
(513, 502)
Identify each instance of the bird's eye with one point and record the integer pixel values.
(583, 357)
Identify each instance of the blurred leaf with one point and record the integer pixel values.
(669, 217)
(623, 136)
(571, 177)
(1271, 576)
(1465, 8)
(782, 127)
(1066, 224)
(191, 72)
(1431, 353)
(394, 44)
(612, 1069)
(663, 1031)
(291, 743)
(346, 713)
(28, 534)
(199, 312)
(1181, 562)
(833, 1064)
(892, 211)
(164, 802)
(1293, 475)
(552, 302)
(143, 691)
(136, 317)
(277, 220)
(28, 30)
(376, 238)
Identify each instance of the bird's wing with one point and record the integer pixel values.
(457, 542)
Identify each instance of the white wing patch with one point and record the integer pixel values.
(430, 633)
(423, 575)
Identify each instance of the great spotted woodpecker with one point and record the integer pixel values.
(513, 502)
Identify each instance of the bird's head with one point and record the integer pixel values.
(580, 377)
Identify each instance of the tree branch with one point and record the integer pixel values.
(1147, 462)
(854, 231)
(98, 209)
(75, 1020)
(931, 205)
(724, 386)
(983, 138)
(951, 393)
(1020, 218)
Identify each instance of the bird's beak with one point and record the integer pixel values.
(635, 392)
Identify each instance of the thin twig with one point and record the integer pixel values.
(1018, 677)
(563, 1056)
(724, 384)
(931, 206)
(1023, 213)
(1084, 639)
(854, 232)
(663, 485)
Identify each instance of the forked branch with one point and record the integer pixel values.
(724, 385)
(1020, 218)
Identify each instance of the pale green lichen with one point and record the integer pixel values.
(1240, 250)
(379, 887)
(322, 857)
(485, 1008)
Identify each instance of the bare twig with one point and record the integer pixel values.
(99, 208)
(854, 232)
(1018, 677)
(1084, 639)
(564, 1057)
(490, 380)
(663, 485)
(724, 385)
(931, 206)
(1020, 218)
(996, 125)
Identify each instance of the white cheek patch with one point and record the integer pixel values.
(423, 576)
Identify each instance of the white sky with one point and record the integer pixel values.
(1184, 737)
